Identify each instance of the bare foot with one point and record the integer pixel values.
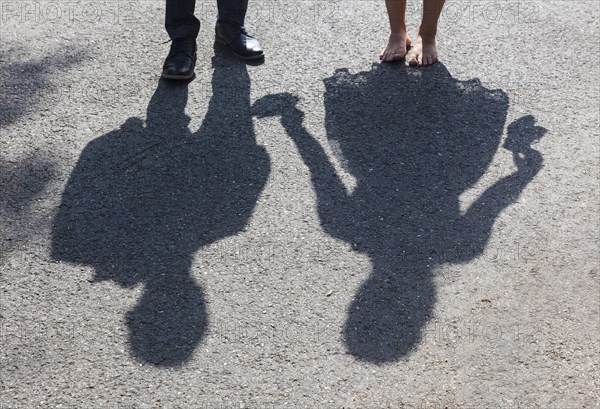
(396, 48)
(424, 52)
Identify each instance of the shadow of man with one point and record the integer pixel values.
(414, 141)
(143, 199)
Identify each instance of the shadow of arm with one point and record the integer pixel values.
(475, 225)
(333, 203)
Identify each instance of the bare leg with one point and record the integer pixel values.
(399, 39)
(425, 52)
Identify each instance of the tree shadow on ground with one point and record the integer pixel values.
(24, 85)
(22, 183)
(414, 140)
(144, 198)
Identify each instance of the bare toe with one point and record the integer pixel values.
(396, 47)
(413, 59)
(424, 52)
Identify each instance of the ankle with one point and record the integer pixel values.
(398, 28)
(427, 34)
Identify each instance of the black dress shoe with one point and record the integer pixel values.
(242, 44)
(181, 60)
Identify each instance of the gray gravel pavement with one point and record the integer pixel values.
(315, 231)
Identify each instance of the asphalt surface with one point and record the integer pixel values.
(317, 230)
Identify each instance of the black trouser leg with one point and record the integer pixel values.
(180, 20)
(232, 14)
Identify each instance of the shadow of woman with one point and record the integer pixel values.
(414, 141)
(143, 199)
